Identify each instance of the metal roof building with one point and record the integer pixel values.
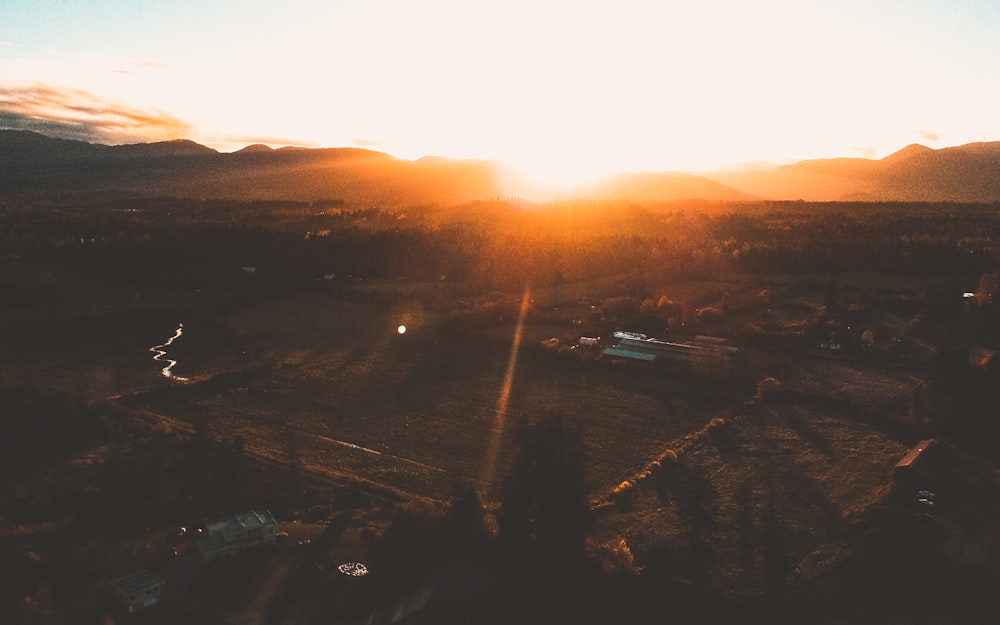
(137, 590)
(636, 346)
(232, 535)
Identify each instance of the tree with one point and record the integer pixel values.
(544, 516)
(776, 568)
(464, 530)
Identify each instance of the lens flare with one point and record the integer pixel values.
(499, 420)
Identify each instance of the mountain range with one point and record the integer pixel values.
(33, 164)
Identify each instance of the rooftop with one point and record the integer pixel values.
(243, 521)
(134, 582)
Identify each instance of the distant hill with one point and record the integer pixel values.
(914, 149)
(256, 147)
(662, 186)
(25, 146)
(160, 149)
(968, 173)
(34, 164)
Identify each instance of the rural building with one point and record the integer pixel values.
(927, 465)
(635, 346)
(137, 590)
(233, 535)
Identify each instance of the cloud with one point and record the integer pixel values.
(76, 114)
(866, 152)
(930, 136)
(365, 143)
(132, 68)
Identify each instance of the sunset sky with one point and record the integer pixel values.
(563, 90)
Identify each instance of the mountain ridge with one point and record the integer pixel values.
(914, 149)
(967, 173)
(34, 163)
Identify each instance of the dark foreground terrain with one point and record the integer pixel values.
(483, 465)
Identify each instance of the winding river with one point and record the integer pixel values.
(159, 353)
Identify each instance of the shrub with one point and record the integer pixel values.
(622, 488)
(616, 555)
(767, 387)
(716, 423)
(709, 314)
(668, 458)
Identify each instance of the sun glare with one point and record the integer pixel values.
(500, 416)
(560, 173)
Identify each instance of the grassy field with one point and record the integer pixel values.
(768, 498)
(338, 383)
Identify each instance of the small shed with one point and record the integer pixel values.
(929, 463)
(137, 590)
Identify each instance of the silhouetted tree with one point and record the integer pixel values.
(544, 517)
(986, 312)
(775, 555)
(34, 418)
(950, 384)
(294, 465)
(230, 460)
(407, 554)
(465, 534)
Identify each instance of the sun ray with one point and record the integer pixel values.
(500, 417)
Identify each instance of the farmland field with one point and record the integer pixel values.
(757, 480)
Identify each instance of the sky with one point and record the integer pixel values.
(562, 90)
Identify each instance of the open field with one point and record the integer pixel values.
(296, 392)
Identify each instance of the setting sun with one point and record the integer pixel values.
(561, 92)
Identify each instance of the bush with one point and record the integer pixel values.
(36, 418)
(667, 459)
(767, 387)
(622, 488)
(717, 423)
(709, 314)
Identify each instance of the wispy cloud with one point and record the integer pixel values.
(930, 136)
(132, 68)
(866, 151)
(77, 114)
(365, 143)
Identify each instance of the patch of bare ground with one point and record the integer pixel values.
(748, 497)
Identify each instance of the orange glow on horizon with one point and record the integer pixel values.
(562, 92)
